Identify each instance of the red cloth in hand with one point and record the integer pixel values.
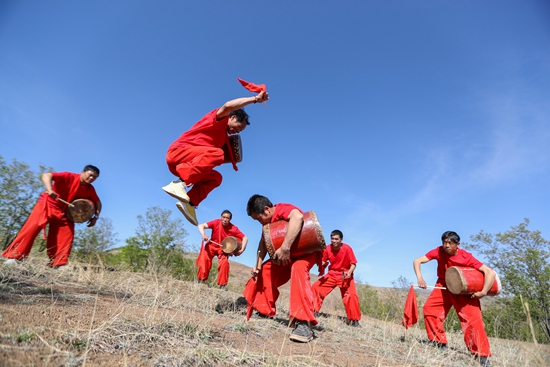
(249, 294)
(410, 313)
(252, 87)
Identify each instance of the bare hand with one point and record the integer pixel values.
(282, 257)
(255, 271)
(479, 295)
(422, 284)
(52, 194)
(347, 274)
(92, 221)
(262, 96)
(205, 238)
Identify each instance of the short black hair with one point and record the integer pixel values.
(241, 115)
(453, 236)
(89, 167)
(228, 212)
(257, 203)
(337, 232)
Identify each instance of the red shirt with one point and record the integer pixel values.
(340, 260)
(444, 261)
(68, 186)
(282, 211)
(219, 232)
(208, 132)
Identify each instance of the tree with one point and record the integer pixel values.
(159, 243)
(91, 242)
(522, 259)
(20, 187)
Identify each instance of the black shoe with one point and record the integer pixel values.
(484, 361)
(354, 323)
(256, 316)
(223, 287)
(441, 346)
(302, 333)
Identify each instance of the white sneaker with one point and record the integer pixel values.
(177, 190)
(11, 262)
(188, 212)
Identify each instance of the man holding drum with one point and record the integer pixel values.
(468, 308)
(49, 210)
(340, 274)
(221, 229)
(275, 272)
(193, 156)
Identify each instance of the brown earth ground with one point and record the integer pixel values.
(80, 317)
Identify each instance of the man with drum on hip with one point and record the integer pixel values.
(468, 308)
(340, 274)
(48, 210)
(221, 229)
(193, 156)
(273, 273)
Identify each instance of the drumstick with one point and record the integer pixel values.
(66, 202)
(429, 286)
(215, 243)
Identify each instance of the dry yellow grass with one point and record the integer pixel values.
(86, 318)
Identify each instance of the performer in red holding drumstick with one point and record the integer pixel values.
(193, 156)
(221, 228)
(273, 273)
(468, 308)
(340, 274)
(48, 210)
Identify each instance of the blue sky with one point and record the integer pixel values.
(394, 120)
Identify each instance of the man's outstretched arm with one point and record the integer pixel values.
(235, 104)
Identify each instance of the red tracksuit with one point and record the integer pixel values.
(340, 261)
(468, 309)
(272, 276)
(193, 156)
(50, 211)
(209, 250)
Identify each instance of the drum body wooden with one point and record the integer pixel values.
(464, 280)
(236, 146)
(231, 245)
(309, 240)
(81, 211)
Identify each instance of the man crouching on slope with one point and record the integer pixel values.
(275, 272)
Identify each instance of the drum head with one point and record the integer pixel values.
(81, 211)
(456, 283)
(230, 245)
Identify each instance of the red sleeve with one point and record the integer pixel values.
(282, 211)
(211, 224)
(92, 194)
(236, 232)
(474, 263)
(351, 256)
(60, 176)
(433, 254)
(325, 254)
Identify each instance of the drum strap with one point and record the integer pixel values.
(231, 154)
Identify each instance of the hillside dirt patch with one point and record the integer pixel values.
(84, 318)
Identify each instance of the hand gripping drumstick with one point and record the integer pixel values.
(429, 286)
(66, 202)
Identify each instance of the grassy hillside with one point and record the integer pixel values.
(98, 318)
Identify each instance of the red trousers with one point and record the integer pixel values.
(60, 234)
(204, 262)
(468, 310)
(325, 285)
(195, 165)
(272, 276)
